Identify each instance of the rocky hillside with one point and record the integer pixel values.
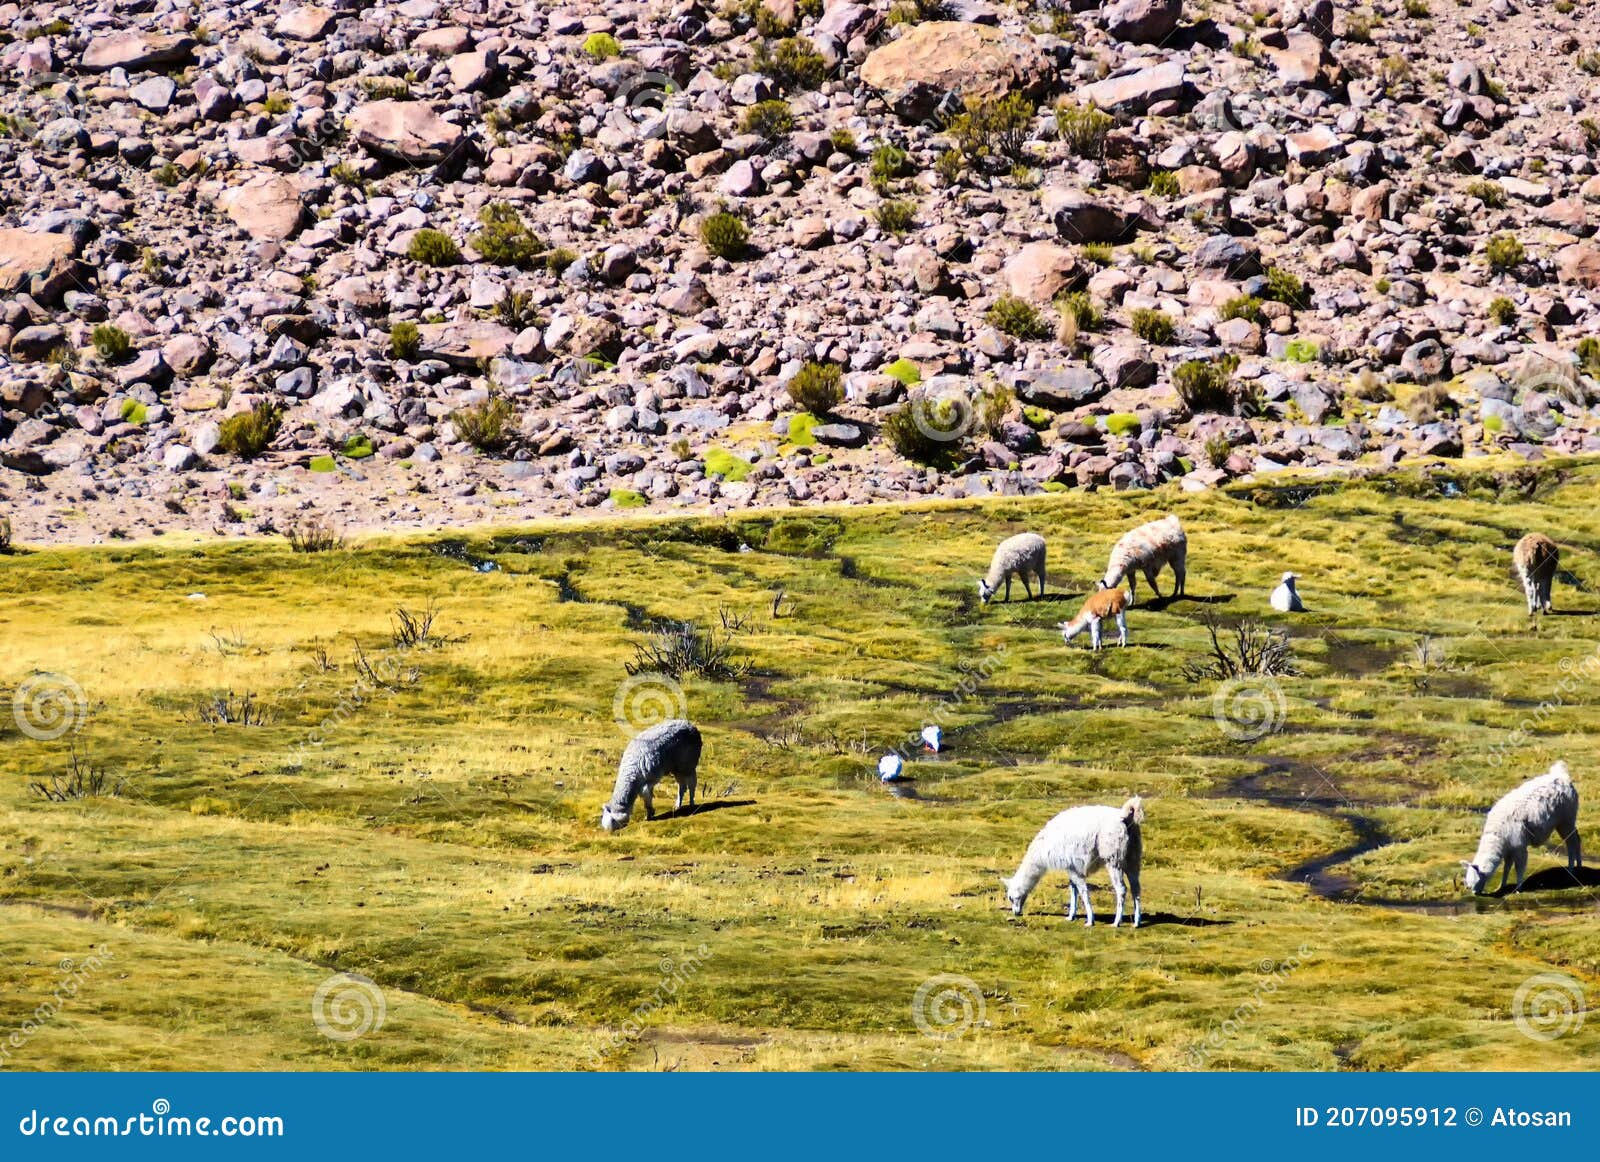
(414, 263)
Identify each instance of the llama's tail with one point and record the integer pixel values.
(1133, 811)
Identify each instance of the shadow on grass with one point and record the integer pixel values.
(1160, 603)
(1553, 879)
(703, 808)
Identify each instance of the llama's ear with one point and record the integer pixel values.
(1468, 865)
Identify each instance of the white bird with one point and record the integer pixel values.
(932, 738)
(1285, 599)
(889, 768)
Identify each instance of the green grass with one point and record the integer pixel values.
(723, 463)
(441, 837)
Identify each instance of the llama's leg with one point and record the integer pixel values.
(649, 797)
(1026, 588)
(1122, 628)
(1179, 572)
(1094, 634)
(1041, 580)
(1505, 873)
(1133, 589)
(1574, 847)
(1118, 891)
(1155, 590)
(1133, 886)
(1522, 867)
(694, 781)
(1072, 900)
(1008, 587)
(1088, 908)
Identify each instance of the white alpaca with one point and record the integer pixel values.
(1286, 598)
(1078, 841)
(1102, 604)
(1019, 556)
(668, 748)
(1148, 549)
(1537, 560)
(1526, 817)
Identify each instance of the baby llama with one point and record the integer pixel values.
(668, 748)
(1526, 817)
(1537, 559)
(1102, 604)
(1147, 549)
(1078, 841)
(1019, 556)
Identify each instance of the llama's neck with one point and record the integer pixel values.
(1076, 626)
(1491, 850)
(1028, 876)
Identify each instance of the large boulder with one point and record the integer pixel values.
(40, 264)
(1134, 92)
(1040, 271)
(267, 207)
(408, 130)
(1579, 263)
(942, 57)
(465, 343)
(137, 51)
(1080, 218)
(1142, 21)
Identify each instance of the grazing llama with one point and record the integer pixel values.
(1019, 556)
(1103, 603)
(668, 748)
(1537, 559)
(1078, 841)
(1148, 549)
(1525, 818)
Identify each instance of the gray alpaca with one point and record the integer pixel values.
(668, 748)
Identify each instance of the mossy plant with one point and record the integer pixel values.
(1122, 424)
(723, 463)
(322, 463)
(433, 248)
(905, 371)
(628, 498)
(358, 447)
(133, 412)
(601, 46)
(1301, 351)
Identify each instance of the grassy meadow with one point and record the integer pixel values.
(430, 824)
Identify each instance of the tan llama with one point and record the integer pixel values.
(1537, 559)
(1102, 603)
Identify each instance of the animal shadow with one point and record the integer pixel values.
(1152, 918)
(1160, 603)
(702, 808)
(1554, 879)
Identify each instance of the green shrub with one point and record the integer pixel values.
(1207, 386)
(168, 175)
(914, 429)
(359, 447)
(905, 371)
(1504, 253)
(1493, 423)
(277, 103)
(1164, 183)
(1491, 194)
(793, 63)
(628, 498)
(111, 343)
(1242, 307)
(725, 235)
(1217, 450)
(488, 426)
(1080, 307)
(1122, 424)
(250, 433)
(1017, 317)
(404, 340)
(322, 463)
(1286, 288)
(843, 141)
(1301, 351)
(1417, 9)
(1589, 354)
(895, 217)
(1153, 326)
(559, 259)
(950, 165)
(133, 412)
(602, 46)
(888, 163)
(993, 127)
(433, 248)
(6, 544)
(767, 119)
(504, 239)
(1099, 253)
(1083, 128)
(817, 388)
(386, 88)
(1502, 311)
